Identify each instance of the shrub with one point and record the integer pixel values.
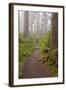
(26, 46)
(44, 42)
(53, 58)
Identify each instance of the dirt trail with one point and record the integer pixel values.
(33, 68)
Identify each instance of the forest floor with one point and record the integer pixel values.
(33, 68)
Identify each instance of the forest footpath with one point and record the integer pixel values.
(33, 68)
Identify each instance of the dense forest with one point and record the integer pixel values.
(38, 44)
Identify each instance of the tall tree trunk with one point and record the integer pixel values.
(45, 22)
(54, 43)
(26, 24)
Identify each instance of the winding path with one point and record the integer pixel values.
(33, 68)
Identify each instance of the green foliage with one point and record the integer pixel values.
(53, 58)
(54, 71)
(26, 46)
(45, 41)
(53, 62)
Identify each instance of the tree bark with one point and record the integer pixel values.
(26, 24)
(54, 37)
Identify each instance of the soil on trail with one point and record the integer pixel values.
(33, 68)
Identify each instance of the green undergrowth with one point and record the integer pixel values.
(51, 59)
(26, 47)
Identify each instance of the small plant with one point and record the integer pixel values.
(53, 58)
